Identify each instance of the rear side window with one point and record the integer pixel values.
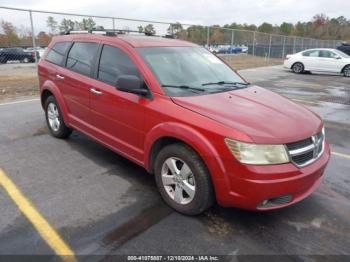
(57, 53)
(113, 63)
(81, 57)
(312, 53)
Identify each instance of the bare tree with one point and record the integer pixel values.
(52, 25)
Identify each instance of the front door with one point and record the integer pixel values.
(118, 116)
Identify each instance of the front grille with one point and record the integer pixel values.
(303, 158)
(299, 144)
(306, 151)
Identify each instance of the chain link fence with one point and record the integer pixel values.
(24, 35)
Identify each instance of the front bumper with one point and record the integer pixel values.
(249, 186)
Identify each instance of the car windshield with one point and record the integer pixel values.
(188, 71)
(342, 54)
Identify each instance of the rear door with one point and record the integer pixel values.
(54, 59)
(310, 60)
(118, 116)
(76, 81)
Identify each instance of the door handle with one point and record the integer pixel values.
(59, 77)
(96, 92)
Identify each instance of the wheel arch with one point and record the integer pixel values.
(342, 71)
(48, 89)
(168, 133)
(296, 62)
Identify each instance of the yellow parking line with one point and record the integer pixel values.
(43, 227)
(341, 155)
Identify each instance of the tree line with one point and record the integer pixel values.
(319, 27)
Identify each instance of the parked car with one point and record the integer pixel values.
(345, 48)
(16, 54)
(214, 49)
(40, 51)
(244, 48)
(180, 112)
(319, 60)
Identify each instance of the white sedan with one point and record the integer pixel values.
(319, 60)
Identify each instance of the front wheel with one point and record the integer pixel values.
(298, 68)
(183, 180)
(346, 71)
(54, 119)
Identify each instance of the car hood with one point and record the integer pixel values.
(264, 116)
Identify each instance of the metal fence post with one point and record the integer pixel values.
(268, 58)
(232, 37)
(302, 43)
(295, 38)
(33, 35)
(254, 43)
(283, 47)
(208, 36)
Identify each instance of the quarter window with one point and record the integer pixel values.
(57, 52)
(81, 57)
(113, 63)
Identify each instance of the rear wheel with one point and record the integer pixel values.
(346, 71)
(54, 119)
(26, 60)
(183, 180)
(298, 68)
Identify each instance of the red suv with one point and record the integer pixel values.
(180, 112)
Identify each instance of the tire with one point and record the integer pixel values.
(54, 119)
(3, 60)
(26, 60)
(346, 71)
(298, 68)
(174, 188)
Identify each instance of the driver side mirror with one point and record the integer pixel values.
(131, 84)
(337, 57)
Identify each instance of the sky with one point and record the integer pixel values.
(205, 12)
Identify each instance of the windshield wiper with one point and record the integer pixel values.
(185, 87)
(226, 83)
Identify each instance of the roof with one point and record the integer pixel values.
(133, 40)
(151, 41)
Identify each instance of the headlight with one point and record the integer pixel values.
(257, 154)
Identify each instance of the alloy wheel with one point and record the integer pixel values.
(53, 117)
(297, 68)
(347, 71)
(178, 180)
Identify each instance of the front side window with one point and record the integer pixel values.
(114, 63)
(57, 52)
(327, 54)
(186, 71)
(81, 57)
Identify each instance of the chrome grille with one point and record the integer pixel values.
(306, 151)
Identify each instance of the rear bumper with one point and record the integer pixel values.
(250, 186)
(287, 64)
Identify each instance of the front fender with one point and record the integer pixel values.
(190, 136)
(52, 87)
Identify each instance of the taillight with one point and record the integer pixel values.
(33, 54)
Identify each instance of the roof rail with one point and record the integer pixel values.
(110, 32)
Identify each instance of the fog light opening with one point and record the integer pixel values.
(275, 201)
